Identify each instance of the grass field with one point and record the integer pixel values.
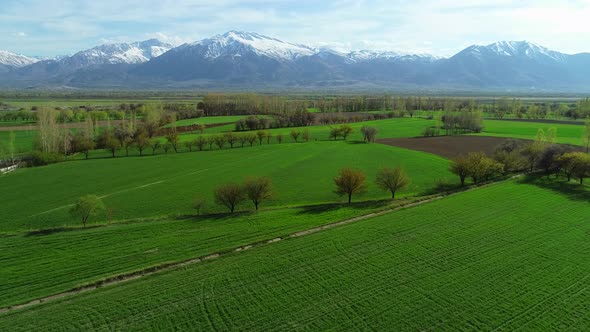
(566, 133)
(23, 139)
(74, 102)
(398, 127)
(138, 187)
(507, 257)
(212, 120)
(37, 265)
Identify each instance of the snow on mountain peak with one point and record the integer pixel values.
(518, 49)
(123, 53)
(234, 43)
(15, 60)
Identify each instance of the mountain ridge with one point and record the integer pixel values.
(238, 58)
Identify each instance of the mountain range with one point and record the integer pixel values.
(245, 60)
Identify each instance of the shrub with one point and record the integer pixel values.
(40, 158)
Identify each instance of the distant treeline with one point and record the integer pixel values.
(249, 104)
(288, 106)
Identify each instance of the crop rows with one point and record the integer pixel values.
(504, 257)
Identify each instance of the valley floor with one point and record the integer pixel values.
(504, 257)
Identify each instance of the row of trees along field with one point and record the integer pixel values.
(257, 190)
(348, 182)
(518, 155)
(55, 140)
(294, 110)
(241, 104)
(123, 111)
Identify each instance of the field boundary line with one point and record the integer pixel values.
(129, 276)
(143, 186)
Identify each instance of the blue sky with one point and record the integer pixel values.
(53, 27)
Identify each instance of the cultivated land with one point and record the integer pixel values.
(503, 257)
(566, 133)
(448, 146)
(506, 257)
(138, 187)
(388, 128)
(41, 263)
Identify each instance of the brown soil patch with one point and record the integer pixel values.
(448, 146)
(548, 121)
(191, 129)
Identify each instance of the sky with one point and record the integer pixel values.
(442, 28)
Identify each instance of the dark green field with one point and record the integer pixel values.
(507, 257)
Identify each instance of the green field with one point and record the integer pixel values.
(23, 139)
(211, 120)
(37, 265)
(398, 127)
(507, 257)
(27, 103)
(160, 185)
(566, 133)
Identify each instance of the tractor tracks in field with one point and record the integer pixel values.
(125, 277)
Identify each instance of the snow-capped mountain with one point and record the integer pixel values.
(15, 60)
(517, 49)
(239, 43)
(123, 53)
(369, 55)
(249, 60)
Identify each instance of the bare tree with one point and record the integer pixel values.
(200, 142)
(220, 141)
(251, 138)
(261, 134)
(350, 181)
(295, 133)
(345, 130)
(279, 138)
(392, 180)
(141, 142)
(258, 190)
(229, 195)
(173, 139)
(231, 138)
(210, 142)
(189, 145)
(369, 133)
(48, 130)
(243, 139)
(155, 145)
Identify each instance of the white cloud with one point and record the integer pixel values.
(441, 27)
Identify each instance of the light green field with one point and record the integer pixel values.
(23, 139)
(503, 258)
(137, 187)
(38, 265)
(399, 127)
(212, 120)
(566, 133)
(56, 102)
